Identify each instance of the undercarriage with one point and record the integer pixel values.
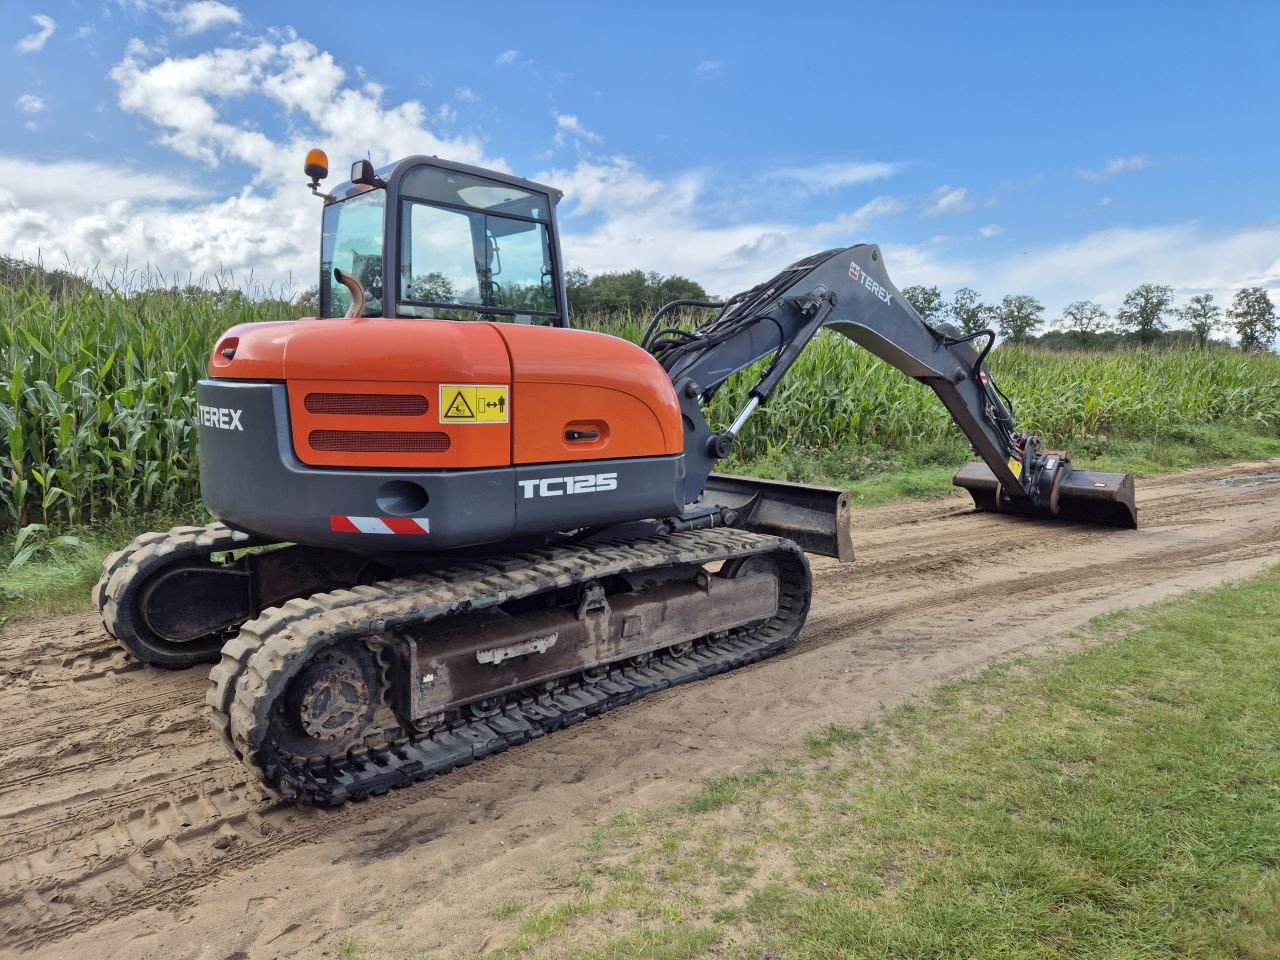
(339, 694)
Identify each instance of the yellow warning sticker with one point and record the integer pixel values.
(1016, 466)
(466, 403)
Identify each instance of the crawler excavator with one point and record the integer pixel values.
(447, 523)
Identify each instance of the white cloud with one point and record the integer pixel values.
(830, 176)
(507, 57)
(28, 103)
(34, 42)
(710, 69)
(1103, 266)
(197, 17)
(1105, 202)
(466, 95)
(617, 216)
(1115, 165)
(63, 187)
(101, 214)
(949, 199)
(991, 230)
(568, 125)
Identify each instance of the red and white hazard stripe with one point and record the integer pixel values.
(402, 525)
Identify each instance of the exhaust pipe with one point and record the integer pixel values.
(1081, 496)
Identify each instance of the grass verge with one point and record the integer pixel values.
(1122, 802)
(52, 572)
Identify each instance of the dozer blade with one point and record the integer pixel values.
(1083, 496)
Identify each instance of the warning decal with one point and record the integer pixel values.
(464, 403)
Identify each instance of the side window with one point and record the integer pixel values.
(352, 242)
(522, 278)
(439, 251)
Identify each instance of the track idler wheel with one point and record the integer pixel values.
(167, 603)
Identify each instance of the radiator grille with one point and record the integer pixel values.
(367, 404)
(376, 441)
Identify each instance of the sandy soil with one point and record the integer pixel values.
(127, 830)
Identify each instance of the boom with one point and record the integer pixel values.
(849, 291)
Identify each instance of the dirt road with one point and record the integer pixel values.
(126, 830)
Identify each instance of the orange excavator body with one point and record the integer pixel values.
(378, 392)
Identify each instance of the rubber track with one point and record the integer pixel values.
(146, 555)
(258, 664)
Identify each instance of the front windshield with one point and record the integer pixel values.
(352, 242)
(474, 248)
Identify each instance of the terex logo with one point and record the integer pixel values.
(560, 486)
(870, 284)
(221, 418)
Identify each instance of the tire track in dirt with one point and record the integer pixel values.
(123, 802)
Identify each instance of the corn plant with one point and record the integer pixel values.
(97, 395)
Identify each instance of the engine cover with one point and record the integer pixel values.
(434, 435)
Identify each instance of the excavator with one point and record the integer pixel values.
(447, 523)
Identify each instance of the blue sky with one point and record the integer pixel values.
(1068, 153)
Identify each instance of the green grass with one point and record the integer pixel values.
(1119, 802)
(62, 567)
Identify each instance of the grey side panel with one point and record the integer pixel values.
(251, 479)
(564, 496)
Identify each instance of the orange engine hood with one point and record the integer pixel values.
(573, 394)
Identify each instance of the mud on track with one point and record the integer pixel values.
(127, 830)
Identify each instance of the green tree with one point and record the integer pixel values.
(1254, 317)
(1084, 319)
(632, 292)
(1203, 317)
(676, 287)
(433, 287)
(927, 301)
(1144, 309)
(1017, 316)
(307, 303)
(967, 311)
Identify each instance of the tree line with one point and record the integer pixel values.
(633, 291)
(1143, 316)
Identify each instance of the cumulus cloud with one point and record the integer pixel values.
(98, 214)
(949, 199)
(710, 69)
(507, 57)
(568, 125)
(1115, 165)
(34, 42)
(991, 230)
(202, 15)
(28, 103)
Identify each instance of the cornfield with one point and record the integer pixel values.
(97, 397)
